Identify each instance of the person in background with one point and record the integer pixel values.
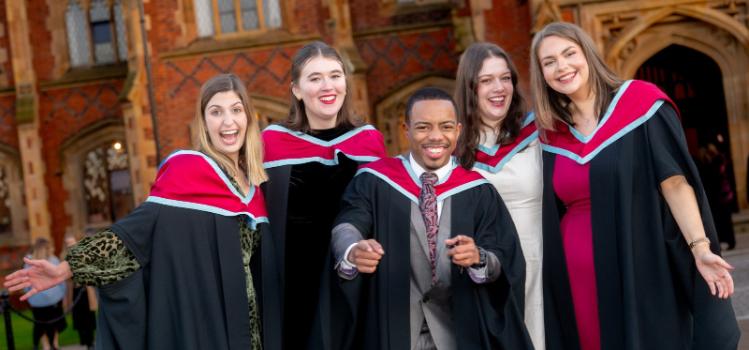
(188, 268)
(46, 306)
(83, 301)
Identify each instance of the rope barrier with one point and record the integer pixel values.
(64, 314)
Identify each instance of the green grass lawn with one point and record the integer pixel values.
(22, 332)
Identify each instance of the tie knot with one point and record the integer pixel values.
(428, 178)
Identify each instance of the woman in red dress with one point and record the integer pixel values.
(631, 257)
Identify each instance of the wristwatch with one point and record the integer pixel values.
(482, 259)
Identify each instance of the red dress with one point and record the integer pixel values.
(572, 186)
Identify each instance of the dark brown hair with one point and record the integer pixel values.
(297, 114)
(466, 89)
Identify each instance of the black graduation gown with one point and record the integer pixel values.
(374, 310)
(650, 294)
(190, 292)
(307, 176)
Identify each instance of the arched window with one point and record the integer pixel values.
(269, 110)
(96, 32)
(390, 113)
(13, 225)
(107, 188)
(218, 17)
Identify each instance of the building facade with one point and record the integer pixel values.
(93, 93)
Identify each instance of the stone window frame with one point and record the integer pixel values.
(214, 29)
(72, 153)
(73, 26)
(10, 162)
(390, 110)
(399, 7)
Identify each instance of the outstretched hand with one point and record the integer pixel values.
(40, 275)
(716, 272)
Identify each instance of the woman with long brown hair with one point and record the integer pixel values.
(310, 160)
(630, 250)
(177, 272)
(500, 141)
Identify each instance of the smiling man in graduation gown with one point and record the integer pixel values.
(427, 256)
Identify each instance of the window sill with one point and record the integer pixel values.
(414, 8)
(241, 41)
(84, 75)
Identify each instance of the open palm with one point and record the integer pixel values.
(716, 273)
(40, 275)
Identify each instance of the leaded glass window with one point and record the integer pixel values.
(235, 16)
(272, 12)
(106, 184)
(204, 17)
(96, 32)
(78, 42)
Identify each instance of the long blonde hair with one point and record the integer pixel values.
(251, 153)
(41, 249)
(551, 106)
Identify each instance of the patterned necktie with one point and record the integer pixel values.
(428, 207)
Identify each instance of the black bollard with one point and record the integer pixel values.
(5, 310)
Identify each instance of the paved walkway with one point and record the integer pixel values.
(739, 258)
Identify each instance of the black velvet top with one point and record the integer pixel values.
(314, 195)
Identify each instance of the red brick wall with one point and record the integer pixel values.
(8, 132)
(40, 38)
(62, 114)
(397, 59)
(161, 15)
(367, 14)
(177, 81)
(308, 17)
(177, 86)
(508, 24)
(6, 67)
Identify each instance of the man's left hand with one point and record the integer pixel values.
(463, 251)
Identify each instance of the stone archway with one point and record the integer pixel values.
(74, 152)
(13, 214)
(269, 110)
(390, 111)
(629, 33)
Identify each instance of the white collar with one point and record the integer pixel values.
(441, 172)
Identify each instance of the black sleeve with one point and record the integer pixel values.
(714, 321)
(136, 231)
(357, 204)
(496, 233)
(502, 301)
(667, 142)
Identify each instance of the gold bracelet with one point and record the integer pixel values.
(697, 241)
